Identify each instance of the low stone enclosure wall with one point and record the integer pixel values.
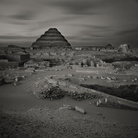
(13, 60)
(103, 99)
(6, 64)
(18, 57)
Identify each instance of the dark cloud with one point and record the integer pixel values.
(91, 35)
(24, 15)
(128, 32)
(52, 22)
(95, 31)
(58, 20)
(126, 36)
(96, 27)
(75, 7)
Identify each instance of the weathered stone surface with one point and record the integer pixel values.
(19, 57)
(36, 64)
(30, 63)
(51, 38)
(47, 90)
(4, 65)
(124, 48)
(31, 70)
(78, 109)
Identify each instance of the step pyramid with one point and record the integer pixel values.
(51, 39)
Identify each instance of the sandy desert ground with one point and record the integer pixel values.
(22, 114)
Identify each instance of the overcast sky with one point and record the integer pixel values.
(82, 22)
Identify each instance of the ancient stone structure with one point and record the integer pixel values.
(13, 57)
(18, 57)
(51, 39)
(11, 49)
(124, 48)
(94, 48)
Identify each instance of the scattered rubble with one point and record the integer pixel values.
(70, 75)
(51, 89)
(36, 64)
(9, 80)
(30, 63)
(47, 90)
(75, 108)
(124, 48)
(134, 80)
(80, 96)
(81, 79)
(15, 80)
(78, 109)
(31, 70)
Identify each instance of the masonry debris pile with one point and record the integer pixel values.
(75, 108)
(53, 89)
(80, 96)
(15, 80)
(30, 63)
(43, 64)
(86, 62)
(36, 64)
(109, 79)
(47, 90)
(124, 48)
(56, 62)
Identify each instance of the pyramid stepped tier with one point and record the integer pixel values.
(51, 38)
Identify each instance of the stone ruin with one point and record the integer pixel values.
(124, 48)
(107, 47)
(51, 39)
(86, 62)
(13, 57)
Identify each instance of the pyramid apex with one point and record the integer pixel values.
(53, 29)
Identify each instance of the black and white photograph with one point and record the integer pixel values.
(68, 68)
